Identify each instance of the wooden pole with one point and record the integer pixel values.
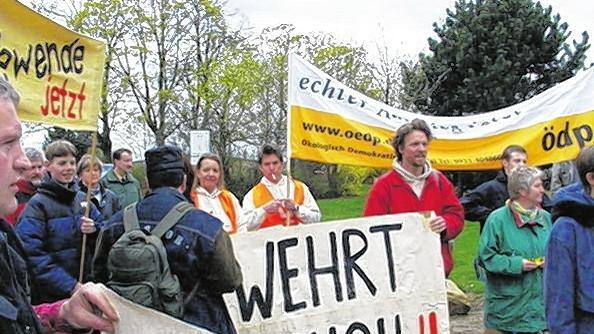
(92, 163)
(288, 220)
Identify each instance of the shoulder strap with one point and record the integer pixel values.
(171, 218)
(131, 218)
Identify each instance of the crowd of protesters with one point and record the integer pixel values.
(534, 255)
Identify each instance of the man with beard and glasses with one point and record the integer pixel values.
(28, 184)
(413, 186)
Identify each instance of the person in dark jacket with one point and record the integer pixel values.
(52, 225)
(105, 200)
(17, 315)
(488, 196)
(569, 273)
(31, 180)
(199, 250)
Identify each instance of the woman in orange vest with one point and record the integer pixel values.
(209, 193)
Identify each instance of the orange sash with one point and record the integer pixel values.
(226, 200)
(261, 196)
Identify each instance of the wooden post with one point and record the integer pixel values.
(87, 208)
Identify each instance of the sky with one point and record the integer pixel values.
(401, 25)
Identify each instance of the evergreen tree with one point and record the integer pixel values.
(491, 54)
(80, 139)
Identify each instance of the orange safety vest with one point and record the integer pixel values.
(226, 199)
(261, 196)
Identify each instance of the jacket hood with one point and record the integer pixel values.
(52, 188)
(573, 201)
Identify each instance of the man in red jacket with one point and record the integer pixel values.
(28, 184)
(413, 186)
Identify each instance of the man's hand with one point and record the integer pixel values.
(272, 206)
(87, 225)
(89, 308)
(528, 265)
(291, 206)
(437, 224)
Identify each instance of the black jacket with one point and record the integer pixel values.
(488, 196)
(16, 314)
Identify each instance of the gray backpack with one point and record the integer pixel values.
(138, 266)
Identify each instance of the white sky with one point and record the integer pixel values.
(402, 25)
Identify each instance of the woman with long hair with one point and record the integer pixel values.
(209, 193)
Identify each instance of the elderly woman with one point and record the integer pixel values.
(511, 249)
(104, 199)
(569, 276)
(209, 193)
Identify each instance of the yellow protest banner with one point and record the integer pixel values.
(332, 123)
(57, 72)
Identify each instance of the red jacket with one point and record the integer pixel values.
(391, 194)
(26, 191)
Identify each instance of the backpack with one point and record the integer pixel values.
(138, 266)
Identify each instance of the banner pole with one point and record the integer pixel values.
(289, 103)
(87, 206)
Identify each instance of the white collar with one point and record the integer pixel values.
(205, 192)
(268, 183)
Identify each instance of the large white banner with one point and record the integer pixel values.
(332, 123)
(380, 275)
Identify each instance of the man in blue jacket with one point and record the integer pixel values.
(569, 270)
(198, 249)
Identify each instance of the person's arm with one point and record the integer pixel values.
(46, 272)
(309, 212)
(252, 217)
(490, 254)
(451, 210)
(88, 309)
(221, 271)
(560, 283)
(474, 205)
(378, 201)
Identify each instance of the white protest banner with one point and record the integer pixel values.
(332, 123)
(381, 275)
(136, 319)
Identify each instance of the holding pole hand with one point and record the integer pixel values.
(87, 225)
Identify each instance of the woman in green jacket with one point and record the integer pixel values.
(511, 249)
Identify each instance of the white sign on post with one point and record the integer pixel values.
(199, 144)
(381, 275)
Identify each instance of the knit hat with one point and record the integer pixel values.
(163, 158)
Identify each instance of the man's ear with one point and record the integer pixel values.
(182, 187)
(590, 178)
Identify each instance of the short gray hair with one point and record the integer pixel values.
(34, 154)
(7, 92)
(521, 179)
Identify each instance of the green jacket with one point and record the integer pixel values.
(128, 190)
(514, 299)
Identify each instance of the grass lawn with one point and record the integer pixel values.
(464, 248)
